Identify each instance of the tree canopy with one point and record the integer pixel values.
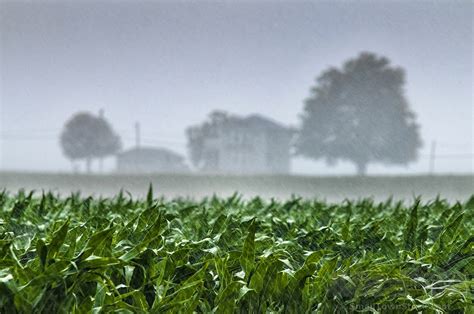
(359, 113)
(86, 136)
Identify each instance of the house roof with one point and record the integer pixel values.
(151, 152)
(256, 121)
(261, 121)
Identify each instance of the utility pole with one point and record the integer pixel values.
(432, 157)
(137, 134)
(101, 159)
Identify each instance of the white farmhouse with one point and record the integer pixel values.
(248, 145)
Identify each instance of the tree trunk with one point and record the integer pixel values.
(88, 164)
(74, 167)
(361, 168)
(101, 164)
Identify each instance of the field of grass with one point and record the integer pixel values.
(452, 187)
(225, 255)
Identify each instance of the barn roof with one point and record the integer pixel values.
(151, 152)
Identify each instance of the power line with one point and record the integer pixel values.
(432, 156)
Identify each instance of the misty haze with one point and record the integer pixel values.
(225, 156)
(166, 67)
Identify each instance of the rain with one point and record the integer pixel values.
(236, 156)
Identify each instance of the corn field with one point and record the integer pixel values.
(98, 255)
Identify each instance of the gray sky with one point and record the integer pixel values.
(168, 64)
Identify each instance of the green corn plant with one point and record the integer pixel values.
(80, 254)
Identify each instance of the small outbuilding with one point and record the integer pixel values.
(150, 160)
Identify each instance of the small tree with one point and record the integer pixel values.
(359, 113)
(86, 136)
(109, 142)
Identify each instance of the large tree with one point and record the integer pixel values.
(86, 136)
(359, 113)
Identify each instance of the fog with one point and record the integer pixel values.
(167, 65)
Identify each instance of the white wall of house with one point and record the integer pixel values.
(242, 152)
(247, 151)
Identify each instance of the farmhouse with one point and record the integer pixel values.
(150, 160)
(248, 145)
